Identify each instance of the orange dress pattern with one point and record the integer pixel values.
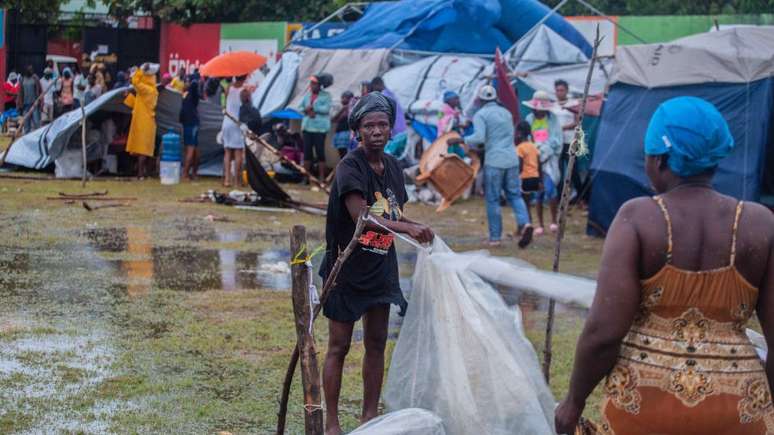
(687, 366)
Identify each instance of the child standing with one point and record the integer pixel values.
(531, 172)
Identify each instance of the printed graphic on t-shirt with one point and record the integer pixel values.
(377, 243)
(387, 208)
(540, 135)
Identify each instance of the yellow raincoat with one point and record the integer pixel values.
(142, 131)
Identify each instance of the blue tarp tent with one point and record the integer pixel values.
(732, 69)
(448, 26)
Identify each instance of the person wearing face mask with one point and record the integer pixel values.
(11, 90)
(80, 84)
(29, 91)
(48, 83)
(66, 88)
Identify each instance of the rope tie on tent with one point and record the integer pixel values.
(312, 408)
(313, 296)
(580, 147)
(297, 259)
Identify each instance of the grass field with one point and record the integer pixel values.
(158, 317)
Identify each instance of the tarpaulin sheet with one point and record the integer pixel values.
(448, 26)
(274, 92)
(348, 68)
(40, 148)
(618, 163)
(737, 55)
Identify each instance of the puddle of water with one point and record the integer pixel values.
(188, 268)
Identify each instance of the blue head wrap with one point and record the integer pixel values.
(448, 95)
(691, 132)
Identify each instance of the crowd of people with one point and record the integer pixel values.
(522, 164)
(53, 92)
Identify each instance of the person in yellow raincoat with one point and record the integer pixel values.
(142, 131)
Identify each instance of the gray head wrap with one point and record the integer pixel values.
(372, 102)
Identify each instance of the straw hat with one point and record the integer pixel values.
(540, 101)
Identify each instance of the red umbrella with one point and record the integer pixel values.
(233, 64)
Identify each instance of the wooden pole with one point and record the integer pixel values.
(329, 283)
(83, 144)
(563, 206)
(303, 312)
(24, 121)
(276, 152)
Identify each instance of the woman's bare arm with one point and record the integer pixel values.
(615, 305)
(355, 203)
(765, 309)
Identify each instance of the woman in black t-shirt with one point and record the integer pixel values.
(368, 281)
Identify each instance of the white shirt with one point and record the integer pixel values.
(566, 117)
(80, 80)
(48, 98)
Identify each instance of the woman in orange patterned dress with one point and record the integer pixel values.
(681, 275)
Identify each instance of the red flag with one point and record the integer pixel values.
(505, 92)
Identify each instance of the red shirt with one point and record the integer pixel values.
(10, 91)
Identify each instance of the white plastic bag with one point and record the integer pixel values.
(412, 421)
(462, 354)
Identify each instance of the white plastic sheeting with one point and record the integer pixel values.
(46, 145)
(275, 91)
(463, 355)
(348, 68)
(412, 421)
(543, 47)
(40, 148)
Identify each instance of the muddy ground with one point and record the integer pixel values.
(172, 317)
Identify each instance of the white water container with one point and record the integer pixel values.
(169, 172)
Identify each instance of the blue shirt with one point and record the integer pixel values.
(321, 123)
(493, 127)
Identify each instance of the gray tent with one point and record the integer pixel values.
(39, 149)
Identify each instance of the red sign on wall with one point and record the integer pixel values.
(188, 47)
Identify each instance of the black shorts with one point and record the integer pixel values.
(314, 147)
(530, 185)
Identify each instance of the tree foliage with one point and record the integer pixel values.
(667, 7)
(197, 11)
(200, 11)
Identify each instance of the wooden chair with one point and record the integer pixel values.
(449, 174)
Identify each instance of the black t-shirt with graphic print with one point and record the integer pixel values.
(372, 269)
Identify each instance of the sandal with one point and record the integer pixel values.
(539, 231)
(554, 228)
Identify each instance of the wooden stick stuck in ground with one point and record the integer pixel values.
(83, 145)
(564, 202)
(303, 313)
(329, 283)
